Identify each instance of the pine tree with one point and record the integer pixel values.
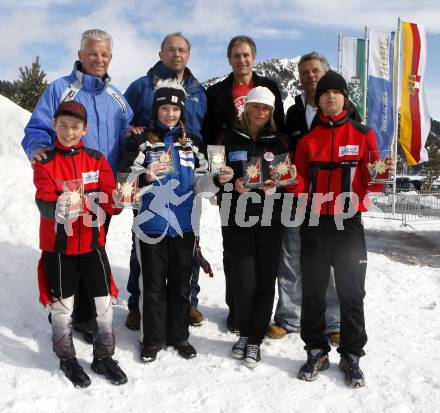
(30, 85)
(7, 89)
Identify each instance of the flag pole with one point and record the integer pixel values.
(397, 83)
(340, 53)
(366, 66)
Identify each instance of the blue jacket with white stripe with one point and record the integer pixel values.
(108, 114)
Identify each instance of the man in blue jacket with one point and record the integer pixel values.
(174, 54)
(109, 118)
(109, 114)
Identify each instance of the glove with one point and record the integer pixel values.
(200, 260)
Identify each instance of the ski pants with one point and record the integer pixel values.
(134, 275)
(84, 310)
(165, 289)
(64, 272)
(323, 246)
(288, 309)
(254, 254)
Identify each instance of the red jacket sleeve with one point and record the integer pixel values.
(46, 195)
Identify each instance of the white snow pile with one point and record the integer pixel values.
(402, 314)
(13, 118)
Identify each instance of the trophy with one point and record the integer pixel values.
(283, 169)
(164, 158)
(127, 191)
(379, 172)
(75, 190)
(216, 159)
(253, 173)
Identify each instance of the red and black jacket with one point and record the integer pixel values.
(333, 158)
(65, 164)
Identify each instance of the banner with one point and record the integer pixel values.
(380, 86)
(415, 122)
(353, 70)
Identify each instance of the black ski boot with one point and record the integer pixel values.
(75, 373)
(109, 368)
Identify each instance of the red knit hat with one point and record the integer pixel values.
(72, 108)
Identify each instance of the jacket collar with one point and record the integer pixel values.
(160, 71)
(89, 82)
(333, 121)
(66, 151)
(263, 135)
(255, 79)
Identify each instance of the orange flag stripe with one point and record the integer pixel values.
(411, 120)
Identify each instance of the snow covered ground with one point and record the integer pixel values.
(402, 314)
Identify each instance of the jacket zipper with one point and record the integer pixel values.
(79, 218)
(330, 171)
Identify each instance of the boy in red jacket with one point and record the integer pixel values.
(72, 240)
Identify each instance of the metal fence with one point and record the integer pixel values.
(406, 206)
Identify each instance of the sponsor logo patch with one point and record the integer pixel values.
(186, 154)
(269, 156)
(238, 156)
(349, 150)
(90, 177)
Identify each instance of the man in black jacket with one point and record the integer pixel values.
(300, 118)
(225, 105)
(226, 98)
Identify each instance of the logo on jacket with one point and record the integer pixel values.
(163, 197)
(90, 177)
(349, 150)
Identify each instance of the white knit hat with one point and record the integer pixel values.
(261, 94)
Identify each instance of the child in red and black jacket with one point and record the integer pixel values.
(73, 245)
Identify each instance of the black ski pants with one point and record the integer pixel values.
(254, 255)
(166, 274)
(64, 274)
(323, 246)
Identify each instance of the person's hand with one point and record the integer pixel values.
(155, 171)
(135, 130)
(239, 186)
(227, 174)
(269, 187)
(391, 166)
(62, 208)
(39, 155)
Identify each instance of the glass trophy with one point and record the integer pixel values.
(216, 159)
(379, 172)
(75, 190)
(165, 158)
(127, 188)
(283, 169)
(253, 173)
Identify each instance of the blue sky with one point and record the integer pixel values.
(52, 29)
